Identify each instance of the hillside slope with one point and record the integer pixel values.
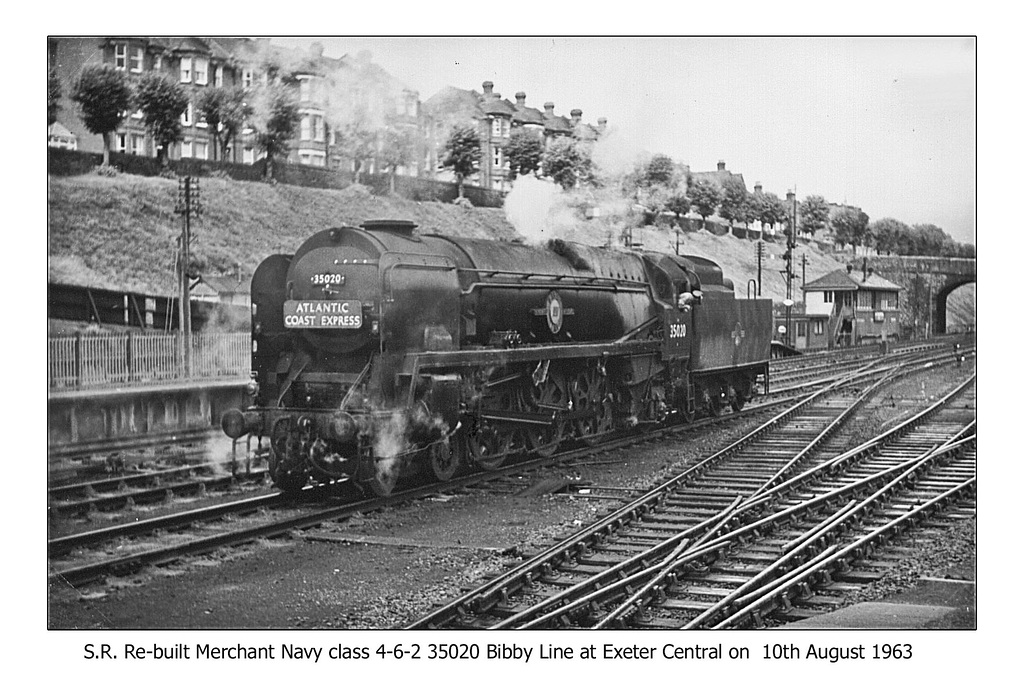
(121, 232)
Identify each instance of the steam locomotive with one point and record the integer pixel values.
(380, 353)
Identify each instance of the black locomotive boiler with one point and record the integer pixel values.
(378, 352)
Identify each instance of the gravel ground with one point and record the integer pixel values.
(384, 570)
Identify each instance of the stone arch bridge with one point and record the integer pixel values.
(927, 283)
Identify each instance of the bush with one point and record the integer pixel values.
(356, 191)
(463, 202)
(106, 171)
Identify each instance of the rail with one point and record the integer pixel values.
(83, 361)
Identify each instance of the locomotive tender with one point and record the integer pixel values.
(379, 352)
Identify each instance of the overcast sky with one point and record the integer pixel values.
(886, 124)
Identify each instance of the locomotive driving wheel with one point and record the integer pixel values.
(589, 395)
(547, 398)
(445, 460)
(488, 447)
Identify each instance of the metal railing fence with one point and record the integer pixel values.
(79, 361)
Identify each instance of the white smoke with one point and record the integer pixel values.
(533, 206)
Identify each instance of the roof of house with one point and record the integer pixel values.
(227, 284)
(840, 279)
(718, 177)
(57, 130)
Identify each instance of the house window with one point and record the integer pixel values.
(304, 128)
(120, 57)
(304, 90)
(186, 116)
(248, 155)
(138, 145)
(218, 77)
(819, 327)
(137, 60)
(201, 121)
(202, 66)
(247, 78)
(200, 150)
(829, 296)
(496, 127)
(318, 128)
(497, 157)
(121, 144)
(186, 69)
(186, 149)
(801, 329)
(333, 137)
(158, 62)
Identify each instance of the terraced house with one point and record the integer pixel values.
(494, 119)
(331, 93)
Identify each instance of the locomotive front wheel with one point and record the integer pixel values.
(289, 481)
(444, 460)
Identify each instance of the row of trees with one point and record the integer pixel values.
(106, 96)
(566, 161)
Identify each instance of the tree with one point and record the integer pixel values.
(734, 201)
(678, 203)
(661, 169)
(524, 152)
(104, 95)
(850, 225)
(705, 197)
(814, 212)
(162, 101)
(225, 111)
(929, 240)
(275, 117)
(567, 163)
(890, 236)
(53, 94)
(770, 209)
(462, 153)
(398, 148)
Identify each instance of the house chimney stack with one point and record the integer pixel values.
(602, 125)
(488, 89)
(757, 188)
(721, 166)
(520, 100)
(576, 114)
(549, 109)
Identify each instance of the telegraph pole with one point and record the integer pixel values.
(188, 205)
(790, 244)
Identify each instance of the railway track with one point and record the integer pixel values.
(88, 556)
(664, 559)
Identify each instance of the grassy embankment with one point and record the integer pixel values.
(120, 233)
